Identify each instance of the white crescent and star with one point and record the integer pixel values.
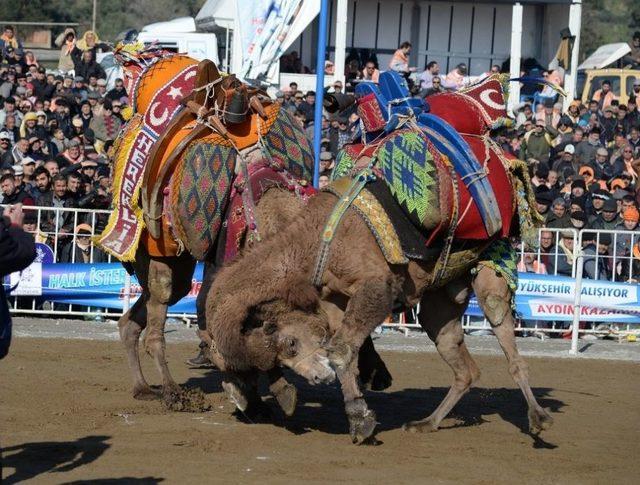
(157, 121)
(485, 97)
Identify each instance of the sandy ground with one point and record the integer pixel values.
(67, 417)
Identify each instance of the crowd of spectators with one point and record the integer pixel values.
(56, 127)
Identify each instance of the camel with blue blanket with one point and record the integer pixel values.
(420, 211)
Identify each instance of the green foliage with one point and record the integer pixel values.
(113, 16)
(607, 21)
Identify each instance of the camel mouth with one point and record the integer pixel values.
(316, 369)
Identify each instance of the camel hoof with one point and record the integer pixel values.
(236, 396)
(539, 421)
(146, 393)
(381, 379)
(362, 422)
(287, 398)
(426, 425)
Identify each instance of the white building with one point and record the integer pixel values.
(479, 33)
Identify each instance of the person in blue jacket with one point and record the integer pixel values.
(17, 251)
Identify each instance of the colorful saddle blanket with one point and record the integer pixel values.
(120, 237)
(386, 109)
(204, 184)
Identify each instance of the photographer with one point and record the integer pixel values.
(17, 251)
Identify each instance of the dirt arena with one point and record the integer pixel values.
(67, 417)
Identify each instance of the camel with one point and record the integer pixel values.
(166, 280)
(263, 311)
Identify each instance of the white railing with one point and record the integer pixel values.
(57, 227)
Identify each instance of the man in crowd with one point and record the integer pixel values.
(12, 193)
(426, 78)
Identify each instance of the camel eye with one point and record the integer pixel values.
(290, 347)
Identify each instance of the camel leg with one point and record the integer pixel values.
(130, 326)
(169, 280)
(494, 299)
(368, 306)
(441, 320)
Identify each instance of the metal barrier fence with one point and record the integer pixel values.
(561, 252)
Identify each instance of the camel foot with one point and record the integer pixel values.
(236, 396)
(175, 398)
(381, 379)
(362, 422)
(146, 393)
(422, 426)
(287, 397)
(539, 420)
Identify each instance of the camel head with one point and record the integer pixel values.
(278, 330)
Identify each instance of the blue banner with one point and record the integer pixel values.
(538, 297)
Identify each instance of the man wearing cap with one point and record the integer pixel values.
(544, 198)
(28, 169)
(41, 87)
(596, 257)
(630, 219)
(601, 165)
(578, 220)
(79, 89)
(101, 87)
(81, 250)
(566, 160)
(598, 198)
(608, 217)
(536, 145)
(608, 123)
(5, 144)
(9, 108)
(586, 149)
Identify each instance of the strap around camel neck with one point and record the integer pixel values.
(334, 221)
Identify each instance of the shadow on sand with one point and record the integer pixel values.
(33, 459)
(321, 407)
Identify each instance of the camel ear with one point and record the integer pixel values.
(300, 293)
(226, 322)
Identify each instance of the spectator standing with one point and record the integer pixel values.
(67, 43)
(118, 92)
(400, 60)
(10, 46)
(604, 96)
(536, 145)
(17, 251)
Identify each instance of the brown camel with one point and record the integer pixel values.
(166, 280)
(263, 311)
